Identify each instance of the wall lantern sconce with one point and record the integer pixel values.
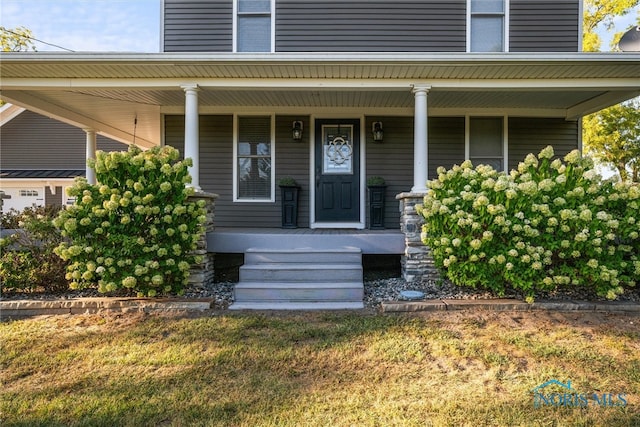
(297, 130)
(376, 129)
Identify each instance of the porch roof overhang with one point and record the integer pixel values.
(107, 91)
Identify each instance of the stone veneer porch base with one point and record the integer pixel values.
(203, 273)
(417, 262)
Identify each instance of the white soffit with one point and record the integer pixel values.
(469, 66)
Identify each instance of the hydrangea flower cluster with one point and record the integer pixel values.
(546, 224)
(135, 229)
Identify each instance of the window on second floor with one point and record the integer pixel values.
(253, 25)
(487, 20)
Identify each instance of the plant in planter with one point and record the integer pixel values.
(287, 181)
(289, 189)
(377, 187)
(376, 181)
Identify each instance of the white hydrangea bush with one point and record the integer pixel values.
(136, 228)
(547, 224)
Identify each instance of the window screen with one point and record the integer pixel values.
(487, 25)
(254, 26)
(486, 141)
(254, 158)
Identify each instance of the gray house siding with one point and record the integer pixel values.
(446, 143)
(331, 26)
(51, 199)
(33, 141)
(292, 159)
(544, 26)
(371, 26)
(198, 26)
(531, 135)
(216, 169)
(391, 160)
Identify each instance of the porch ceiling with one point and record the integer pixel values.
(107, 92)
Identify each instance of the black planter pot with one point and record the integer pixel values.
(376, 206)
(289, 206)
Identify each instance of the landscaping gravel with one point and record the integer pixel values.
(383, 288)
(375, 291)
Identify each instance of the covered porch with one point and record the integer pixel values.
(197, 101)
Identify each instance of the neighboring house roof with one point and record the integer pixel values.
(122, 95)
(8, 112)
(33, 143)
(41, 174)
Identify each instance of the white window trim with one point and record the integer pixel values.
(273, 26)
(505, 143)
(505, 28)
(580, 27)
(272, 199)
(161, 41)
(505, 138)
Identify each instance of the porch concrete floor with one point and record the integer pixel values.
(238, 240)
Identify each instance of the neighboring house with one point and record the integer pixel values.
(40, 157)
(445, 81)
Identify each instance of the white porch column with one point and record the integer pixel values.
(192, 132)
(420, 140)
(90, 154)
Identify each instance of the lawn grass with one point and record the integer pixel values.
(467, 368)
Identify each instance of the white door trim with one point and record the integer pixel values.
(359, 225)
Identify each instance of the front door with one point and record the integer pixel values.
(337, 170)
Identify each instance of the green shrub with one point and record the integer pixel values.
(374, 181)
(27, 260)
(287, 181)
(546, 225)
(10, 219)
(135, 229)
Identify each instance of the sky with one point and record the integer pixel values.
(115, 25)
(87, 25)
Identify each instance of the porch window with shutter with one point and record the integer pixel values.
(254, 159)
(487, 25)
(486, 141)
(253, 26)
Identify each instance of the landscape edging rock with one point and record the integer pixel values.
(25, 308)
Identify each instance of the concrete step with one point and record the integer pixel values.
(299, 291)
(300, 272)
(296, 306)
(303, 255)
(300, 279)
